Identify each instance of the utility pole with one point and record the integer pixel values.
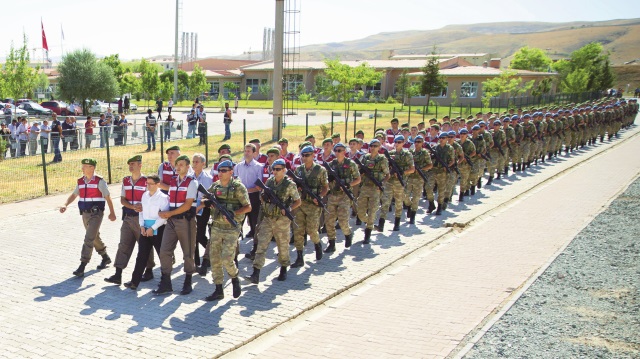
(175, 56)
(277, 72)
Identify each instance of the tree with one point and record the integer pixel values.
(322, 87)
(231, 89)
(431, 82)
(576, 81)
(19, 78)
(130, 84)
(402, 84)
(590, 60)
(543, 88)
(82, 77)
(41, 83)
(606, 76)
(347, 79)
(149, 80)
(530, 58)
(507, 85)
(197, 82)
(183, 83)
(264, 90)
(113, 61)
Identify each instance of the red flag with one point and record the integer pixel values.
(44, 38)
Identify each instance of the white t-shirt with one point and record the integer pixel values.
(151, 205)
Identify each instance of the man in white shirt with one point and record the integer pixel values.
(23, 132)
(203, 213)
(153, 201)
(34, 131)
(45, 129)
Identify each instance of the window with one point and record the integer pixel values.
(236, 91)
(469, 89)
(373, 91)
(293, 84)
(215, 89)
(254, 84)
(443, 92)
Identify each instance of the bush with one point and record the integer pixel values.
(3, 148)
(325, 131)
(304, 97)
(391, 100)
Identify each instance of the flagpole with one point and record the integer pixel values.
(61, 42)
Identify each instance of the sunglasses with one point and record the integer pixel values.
(307, 155)
(374, 145)
(277, 169)
(224, 171)
(419, 142)
(338, 151)
(399, 141)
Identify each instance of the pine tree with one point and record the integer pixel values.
(432, 83)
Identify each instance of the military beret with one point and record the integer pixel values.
(406, 124)
(422, 132)
(527, 116)
(475, 128)
(172, 148)
(225, 163)
(395, 119)
(335, 135)
(479, 114)
(327, 140)
(136, 158)
(373, 142)
(380, 134)
(89, 161)
(497, 123)
(555, 115)
(443, 135)
(307, 149)
(406, 129)
(451, 133)
(308, 137)
(514, 117)
(304, 144)
(398, 138)
(481, 123)
(224, 147)
(283, 140)
(273, 150)
(278, 162)
(255, 140)
(464, 131)
(506, 119)
(436, 127)
(548, 114)
(379, 129)
(421, 123)
(418, 137)
(353, 140)
(360, 132)
(183, 158)
(339, 144)
(224, 156)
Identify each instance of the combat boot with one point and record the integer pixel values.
(424, 194)
(367, 236)
(408, 211)
(353, 213)
(432, 206)
(252, 255)
(490, 181)
(255, 276)
(203, 268)
(299, 260)
(105, 261)
(445, 204)
(116, 278)
(519, 167)
(439, 210)
(292, 240)
(283, 274)
(601, 139)
(466, 193)
(380, 226)
(479, 183)
(461, 197)
(186, 286)
(473, 190)
(80, 271)
(535, 162)
(513, 167)
(396, 224)
(506, 170)
(498, 177)
(412, 220)
(148, 275)
(217, 295)
(318, 248)
(358, 221)
(331, 247)
(165, 285)
(235, 283)
(348, 239)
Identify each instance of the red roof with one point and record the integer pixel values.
(217, 64)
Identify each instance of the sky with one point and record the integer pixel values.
(145, 28)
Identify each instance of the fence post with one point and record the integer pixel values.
(161, 144)
(437, 110)
(424, 111)
(332, 122)
(409, 120)
(355, 121)
(346, 124)
(244, 131)
(306, 125)
(206, 143)
(43, 150)
(375, 119)
(449, 111)
(108, 159)
(394, 112)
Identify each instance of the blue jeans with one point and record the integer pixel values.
(151, 138)
(227, 130)
(191, 133)
(104, 136)
(55, 142)
(167, 133)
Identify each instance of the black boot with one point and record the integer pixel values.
(506, 170)
(218, 294)
(380, 226)
(353, 213)
(252, 255)
(299, 260)
(479, 183)
(318, 248)
(283, 274)
(445, 204)
(347, 240)
(461, 197)
(466, 193)
(148, 275)
(412, 219)
(432, 206)
(165, 285)
(490, 181)
(358, 221)
(80, 271)
(409, 212)
(291, 241)
(498, 177)
(473, 190)
(235, 283)
(535, 162)
(203, 268)
(255, 276)
(396, 224)
(116, 278)
(323, 229)
(105, 261)
(367, 236)
(439, 210)
(513, 167)
(518, 167)
(186, 286)
(331, 247)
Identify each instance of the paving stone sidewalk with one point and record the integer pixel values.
(46, 311)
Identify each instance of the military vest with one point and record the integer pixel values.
(280, 190)
(228, 197)
(343, 171)
(376, 167)
(312, 179)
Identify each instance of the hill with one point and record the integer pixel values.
(620, 37)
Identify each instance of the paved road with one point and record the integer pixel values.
(44, 311)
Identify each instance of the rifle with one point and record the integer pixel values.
(336, 179)
(438, 159)
(422, 174)
(485, 157)
(466, 158)
(367, 172)
(306, 190)
(214, 202)
(272, 198)
(395, 169)
(500, 150)
(455, 167)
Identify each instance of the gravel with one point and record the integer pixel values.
(586, 304)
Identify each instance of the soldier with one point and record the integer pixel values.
(479, 161)
(326, 155)
(284, 153)
(528, 139)
(225, 149)
(133, 187)
(338, 202)
(404, 160)
(510, 143)
(92, 192)
(166, 171)
(415, 183)
(274, 222)
(393, 131)
(260, 157)
(180, 227)
(445, 152)
(497, 151)
(231, 194)
(355, 147)
(465, 167)
(308, 213)
(452, 176)
(369, 198)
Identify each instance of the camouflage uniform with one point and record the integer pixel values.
(516, 154)
(510, 135)
(465, 168)
(393, 188)
(338, 202)
(528, 141)
(369, 198)
(274, 223)
(308, 214)
(415, 183)
(447, 154)
(497, 159)
(452, 177)
(223, 236)
(478, 162)
(569, 124)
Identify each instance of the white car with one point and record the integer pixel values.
(16, 112)
(99, 107)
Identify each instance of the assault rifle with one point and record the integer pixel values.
(336, 179)
(367, 172)
(395, 168)
(422, 174)
(500, 149)
(214, 203)
(273, 199)
(306, 189)
(438, 158)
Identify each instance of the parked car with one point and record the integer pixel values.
(34, 109)
(59, 107)
(100, 107)
(18, 102)
(16, 112)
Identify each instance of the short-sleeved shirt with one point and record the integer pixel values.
(102, 186)
(43, 131)
(248, 173)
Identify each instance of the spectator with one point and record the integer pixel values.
(67, 132)
(236, 103)
(5, 134)
(56, 134)
(150, 123)
(13, 138)
(227, 122)
(7, 114)
(23, 132)
(122, 130)
(74, 140)
(88, 131)
(34, 131)
(159, 108)
(170, 105)
(105, 125)
(126, 105)
(202, 125)
(192, 119)
(167, 128)
(44, 135)
(120, 106)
